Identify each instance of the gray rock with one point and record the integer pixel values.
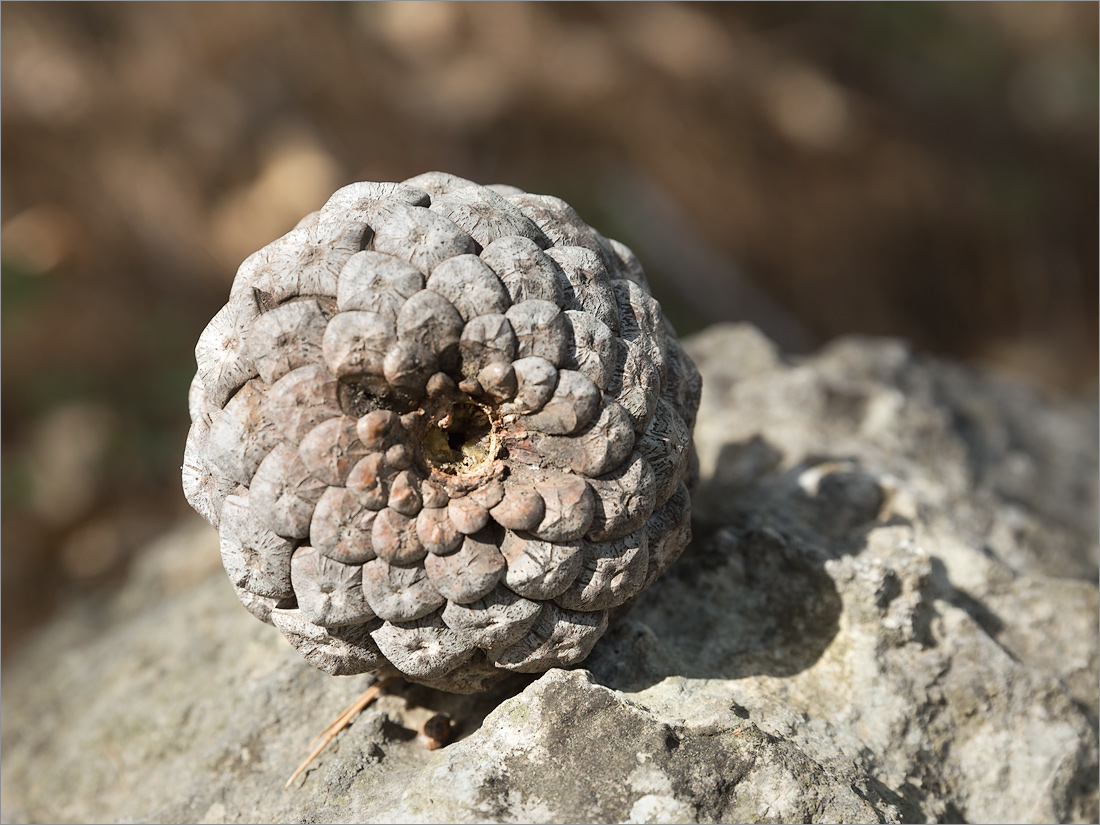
(888, 613)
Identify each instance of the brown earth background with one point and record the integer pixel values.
(920, 170)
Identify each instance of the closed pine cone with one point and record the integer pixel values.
(444, 426)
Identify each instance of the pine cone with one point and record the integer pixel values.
(445, 426)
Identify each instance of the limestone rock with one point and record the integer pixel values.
(888, 613)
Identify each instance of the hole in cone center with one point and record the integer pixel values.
(460, 440)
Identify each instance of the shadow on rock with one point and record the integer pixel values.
(467, 711)
(750, 596)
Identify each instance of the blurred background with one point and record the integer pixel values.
(920, 170)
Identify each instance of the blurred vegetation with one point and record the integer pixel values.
(922, 170)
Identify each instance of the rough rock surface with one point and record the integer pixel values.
(888, 613)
